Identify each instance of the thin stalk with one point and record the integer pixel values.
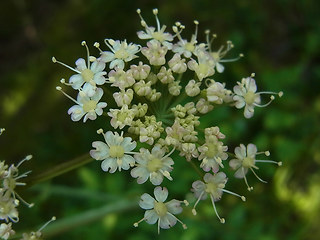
(58, 170)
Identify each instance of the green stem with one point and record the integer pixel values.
(58, 170)
(196, 168)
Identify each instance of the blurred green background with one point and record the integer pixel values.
(280, 40)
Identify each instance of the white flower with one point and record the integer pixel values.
(157, 34)
(187, 48)
(89, 107)
(121, 117)
(246, 159)
(121, 52)
(212, 154)
(115, 154)
(154, 165)
(247, 97)
(8, 209)
(6, 230)
(189, 150)
(159, 211)
(155, 53)
(213, 186)
(38, 234)
(142, 88)
(88, 75)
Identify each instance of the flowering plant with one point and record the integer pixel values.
(159, 92)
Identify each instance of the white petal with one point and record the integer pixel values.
(81, 64)
(107, 56)
(161, 194)
(89, 89)
(151, 216)
(174, 206)
(76, 112)
(128, 145)
(239, 172)
(156, 178)
(99, 78)
(251, 150)
(101, 152)
(146, 201)
(110, 138)
(235, 164)
(220, 67)
(97, 66)
(97, 95)
(167, 221)
(127, 161)
(76, 81)
(110, 164)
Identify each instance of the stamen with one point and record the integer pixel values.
(46, 224)
(245, 180)
(100, 131)
(54, 60)
(219, 161)
(222, 220)
(194, 212)
(159, 226)
(29, 205)
(63, 81)
(72, 99)
(2, 130)
(243, 198)
(266, 104)
(136, 224)
(270, 161)
(155, 13)
(183, 225)
(83, 43)
(257, 176)
(166, 174)
(27, 158)
(109, 43)
(232, 59)
(168, 154)
(185, 202)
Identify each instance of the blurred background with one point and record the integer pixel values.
(280, 40)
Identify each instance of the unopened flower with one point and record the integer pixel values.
(114, 154)
(155, 53)
(177, 64)
(246, 159)
(193, 88)
(203, 68)
(6, 230)
(153, 165)
(141, 71)
(203, 106)
(121, 117)
(217, 93)
(165, 76)
(120, 78)
(157, 210)
(213, 185)
(124, 97)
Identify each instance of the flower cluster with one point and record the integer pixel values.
(10, 199)
(157, 93)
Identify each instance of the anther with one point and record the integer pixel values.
(54, 60)
(243, 198)
(279, 164)
(196, 22)
(100, 131)
(155, 11)
(194, 212)
(138, 10)
(280, 94)
(186, 202)
(267, 153)
(241, 55)
(96, 44)
(252, 75)
(58, 88)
